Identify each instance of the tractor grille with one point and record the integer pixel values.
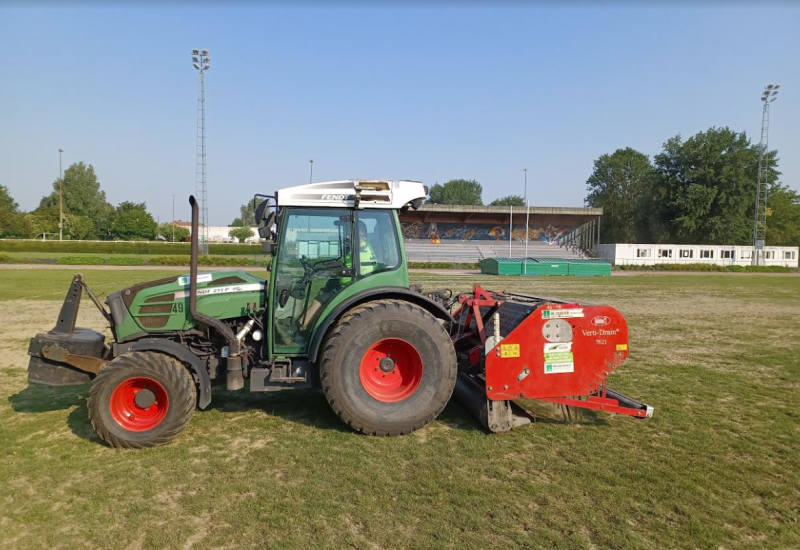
(161, 298)
(154, 322)
(162, 308)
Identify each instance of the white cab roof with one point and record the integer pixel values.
(354, 194)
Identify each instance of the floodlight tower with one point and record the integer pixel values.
(202, 62)
(769, 95)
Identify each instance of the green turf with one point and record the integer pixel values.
(717, 467)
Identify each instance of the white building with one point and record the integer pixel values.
(220, 234)
(652, 254)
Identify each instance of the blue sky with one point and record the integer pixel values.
(427, 93)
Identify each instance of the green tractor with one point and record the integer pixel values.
(335, 312)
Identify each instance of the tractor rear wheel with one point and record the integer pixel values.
(388, 368)
(141, 399)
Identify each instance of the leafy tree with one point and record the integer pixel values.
(241, 233)
(133, 222)
(247, 216)
(464, 192)
(13, 223)
(167, 230)
(618, 184)
(783, 216)
(704, 188)
(77, 227)
(82, 197)
(44, 220)
(510, 200)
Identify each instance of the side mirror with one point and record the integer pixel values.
(268, 247)
(259, 213)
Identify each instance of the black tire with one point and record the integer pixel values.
(164, 375)
(348, 345)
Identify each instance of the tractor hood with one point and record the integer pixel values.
(163, 305)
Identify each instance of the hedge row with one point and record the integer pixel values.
(109, 247)
(205, 261)
(443, 265)
(708, 267)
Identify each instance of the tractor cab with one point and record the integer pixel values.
(334, 240)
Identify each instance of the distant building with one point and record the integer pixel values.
(219, 234)
(652, 254)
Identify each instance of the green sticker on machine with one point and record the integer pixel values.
(558, 362)
(558, 357)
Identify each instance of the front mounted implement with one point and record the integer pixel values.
(67, 355)
(516, 346)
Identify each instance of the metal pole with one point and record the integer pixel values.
(311, 174)
(60, 197)
(526, 185)
(527, 216)
(762, 183)
(510, 229)
(173, 217)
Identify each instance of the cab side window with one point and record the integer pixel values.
(378, 247)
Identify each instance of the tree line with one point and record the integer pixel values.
(89, 216)
(695, 191)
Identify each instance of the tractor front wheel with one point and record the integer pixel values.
(141, 399)
(388, 368)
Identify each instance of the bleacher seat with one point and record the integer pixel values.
(474, 251)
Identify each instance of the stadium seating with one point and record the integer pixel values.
(474, 251)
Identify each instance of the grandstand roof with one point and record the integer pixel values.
(563, 215)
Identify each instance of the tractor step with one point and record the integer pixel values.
(282, 375)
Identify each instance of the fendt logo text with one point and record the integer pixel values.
(334, 197)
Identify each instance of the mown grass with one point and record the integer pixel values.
(717, 467)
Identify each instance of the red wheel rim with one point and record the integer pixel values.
(143, 415)
(391, 370)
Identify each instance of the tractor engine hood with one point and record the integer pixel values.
(163, 305)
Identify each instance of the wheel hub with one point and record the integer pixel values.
(144, 398)
(386, 364)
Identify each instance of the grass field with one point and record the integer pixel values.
(717, 467)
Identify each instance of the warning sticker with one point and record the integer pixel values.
(558, 362)
(622, 347)
(562, 313)
(509, 350)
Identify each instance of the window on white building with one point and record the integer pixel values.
(686, 253)
(747, 254)
(707, 254)
(769, 255)
(788, 254)
(726, 254)
(665, 253)
(642, 252)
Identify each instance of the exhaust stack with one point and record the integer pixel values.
(234, 375)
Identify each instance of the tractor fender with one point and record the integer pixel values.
(182, 354)
(383, 293)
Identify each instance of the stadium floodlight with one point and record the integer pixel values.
(196, 66)
(770, 86)
(204, 52)
(196, 51)
(206, 67)
(195, 59)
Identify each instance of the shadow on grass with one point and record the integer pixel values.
(37, 398)
(305, 407)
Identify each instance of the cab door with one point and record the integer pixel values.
(314, 263)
